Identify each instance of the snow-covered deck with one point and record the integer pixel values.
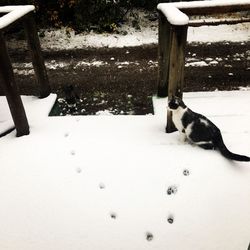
(102, 182)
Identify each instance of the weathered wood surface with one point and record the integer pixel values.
(215, 9)
(163, 55)
(176, 67)
(10, 89)
(216, 22)
(36, 55)
(177, 60)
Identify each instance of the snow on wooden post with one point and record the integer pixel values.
(10, 88)
(36, 54)
(171, 55)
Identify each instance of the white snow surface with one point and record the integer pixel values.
(100, 182)
(35, 109)
(173, 14)
(210, 34)
(15, 12)
(57, 39)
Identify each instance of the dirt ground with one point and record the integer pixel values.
(123, 80)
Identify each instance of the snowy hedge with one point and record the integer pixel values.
(106, 14)
(102, 15)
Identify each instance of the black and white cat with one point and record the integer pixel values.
(199, 130)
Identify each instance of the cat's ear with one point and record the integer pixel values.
(176, 99)
(181, 103)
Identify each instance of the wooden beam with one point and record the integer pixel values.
(163, 55)
(176, 67)
(215, 22)
(209, 10)
(36, 54)
(11, 91)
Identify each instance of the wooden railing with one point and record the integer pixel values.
(13, 14)
(173, 25)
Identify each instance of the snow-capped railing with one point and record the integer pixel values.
(173, 25)
(177, 13)
(13, 14)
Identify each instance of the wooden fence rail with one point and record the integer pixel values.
(173, 25)
(12, 15)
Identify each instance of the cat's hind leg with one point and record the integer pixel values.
(206, 145)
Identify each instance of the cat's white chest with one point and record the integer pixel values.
(177, 118)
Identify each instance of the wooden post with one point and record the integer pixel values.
(11, 91)
(165, 36)
(36, 54)
(176, 68)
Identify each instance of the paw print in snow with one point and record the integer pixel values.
(172, 190)
(170, 219)
(78, 170)
(149, 236)
(72, 152)
(186, 172)
(113, 215)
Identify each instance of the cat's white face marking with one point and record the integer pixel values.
(204, 122)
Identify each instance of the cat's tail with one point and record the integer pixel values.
(226, 153)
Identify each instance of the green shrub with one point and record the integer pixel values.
(99, 14)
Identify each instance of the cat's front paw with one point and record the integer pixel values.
(182, 138)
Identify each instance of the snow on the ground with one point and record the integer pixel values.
(121, 182)
(58, 39)
(209, 34)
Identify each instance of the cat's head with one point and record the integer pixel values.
(176, 102)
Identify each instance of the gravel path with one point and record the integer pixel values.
(123, 80)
